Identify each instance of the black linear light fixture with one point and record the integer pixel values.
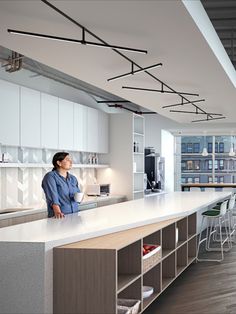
(208, 118)
(112, 101)
(184, 103)
(197, 112)
(131, 110)
(132, 72)
(83, 41)
(159, 90)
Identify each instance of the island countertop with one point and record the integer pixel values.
(26, 264)
(108, 219)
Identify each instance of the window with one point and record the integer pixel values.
(221, 179)
(221, 147)
(183, 148)
(197, 164)
(196, 180)
(209, 164)
(209, 147)
(210, 179)
(190, 180)
(189, 165)
(216, 164)
(189, 147)
(221, 164)
(196, 148)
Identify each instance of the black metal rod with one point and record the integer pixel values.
(184, 103)
(134, 72)
(112, 101)
(158, 90)
(82, 42)
(209, 119)
(197, 112)
(131, 110)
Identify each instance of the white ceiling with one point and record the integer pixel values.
(164, 28)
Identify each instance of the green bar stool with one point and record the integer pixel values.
(229, 219)
(214, 217)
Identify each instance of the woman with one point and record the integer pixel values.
(60, 187)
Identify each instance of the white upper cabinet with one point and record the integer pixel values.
(92, 130)
(80, 128)
(103, 132)
(66, 124)
(30, 117)
(49, 121)
(9, 117)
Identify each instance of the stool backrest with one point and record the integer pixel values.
(231, 202)
(223, 208)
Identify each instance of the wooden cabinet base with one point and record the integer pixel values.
(89, 276)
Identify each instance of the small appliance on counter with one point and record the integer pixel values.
(98, 189)
(154, 171)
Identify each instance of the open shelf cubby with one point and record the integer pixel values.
(181, 226)
(152, 278)
(192, 225)
(168, 240)
(168, 270)
(192, 249)
(182, 258)
(133, 291)
(99, 271)
(129, 264)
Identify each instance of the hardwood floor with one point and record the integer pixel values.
(203, 288)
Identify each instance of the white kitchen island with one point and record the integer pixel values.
(26, 275)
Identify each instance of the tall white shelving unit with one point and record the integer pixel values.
(138, 156)
(127, 165)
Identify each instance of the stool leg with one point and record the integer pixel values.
(200, 236)
(221, 240)
(209, 234)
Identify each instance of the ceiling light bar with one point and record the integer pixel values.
(184, 103)
(158, 90)
(70, 40)
(132, 72)
(112, 101)
(197, 112)
(131, 110)
(207, 119)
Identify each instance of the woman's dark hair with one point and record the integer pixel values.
(58, 157)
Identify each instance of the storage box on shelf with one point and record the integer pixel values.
(150, 261)
(111, 267)
(128, 306)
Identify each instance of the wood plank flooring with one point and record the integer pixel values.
(203, 288)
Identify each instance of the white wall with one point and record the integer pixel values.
(167, 149)
(153, 126)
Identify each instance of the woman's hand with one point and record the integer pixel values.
(57, 211)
